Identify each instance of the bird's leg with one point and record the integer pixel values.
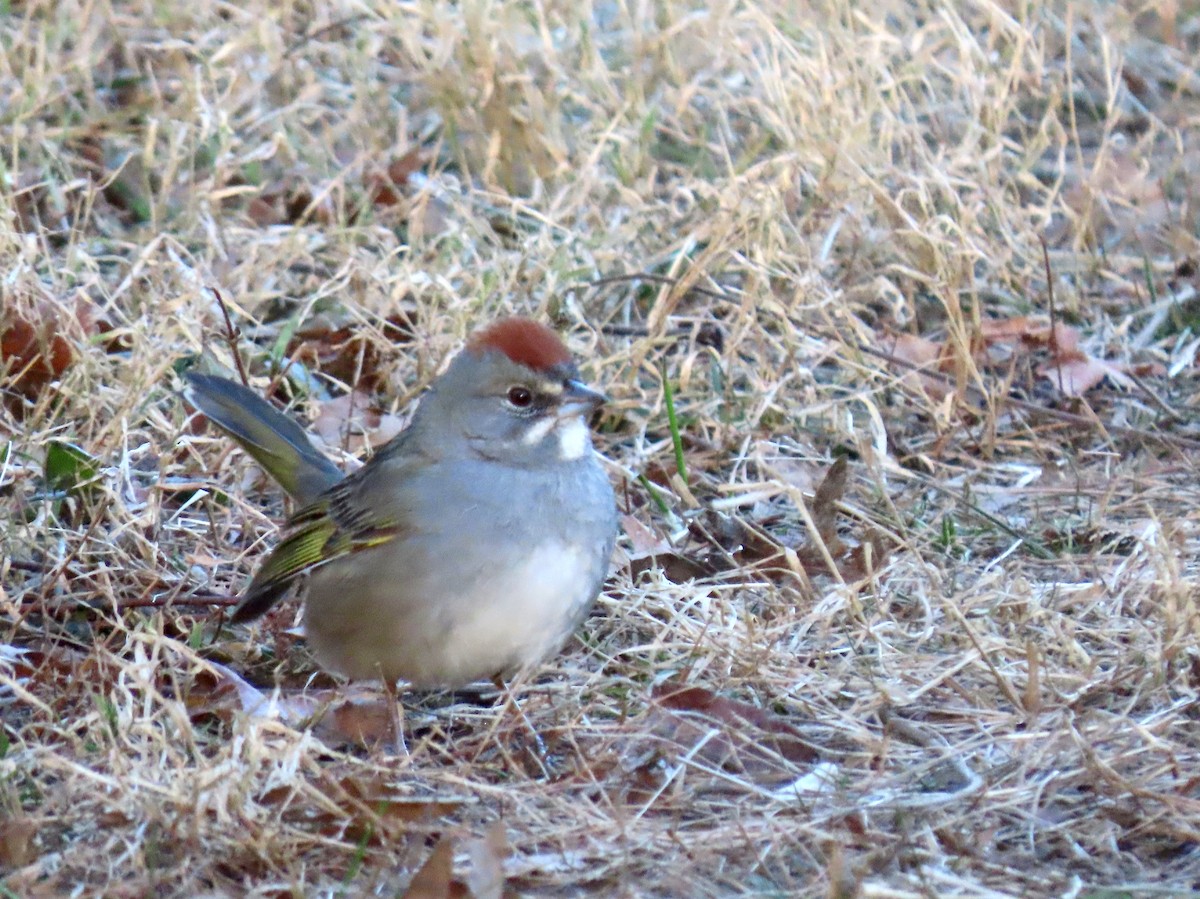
(509, 693)
(395, 717)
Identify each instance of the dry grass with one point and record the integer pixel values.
(1007, 705)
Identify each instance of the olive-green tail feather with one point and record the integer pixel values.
(277, 443)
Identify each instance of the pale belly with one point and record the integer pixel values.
(381, 624)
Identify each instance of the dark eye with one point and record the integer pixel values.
(520, 397)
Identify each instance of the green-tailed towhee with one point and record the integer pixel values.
(470, 545)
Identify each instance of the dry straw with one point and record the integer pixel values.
(970, 668)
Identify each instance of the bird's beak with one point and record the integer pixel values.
(579, 399)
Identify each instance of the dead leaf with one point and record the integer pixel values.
(714, 734)
(1120, 198)
(998, 330)
(373, 797)
(1076, 373)
(676, 568)
(823, 507)
(925, 355)
(360, 720)
(291, 201)
(853, 561)
(335, 715)
(431, 216)
(220, 691)
(38, 208)
(16, 841)
(35, 339)
(435, 880)
(1033, 332)
(1070, 368)
(485, 877)
(93, 322)
(866, 558)
(915, 350)
(1146, 370)
(761, 549)
(266, 210)
(1058, 338)
(776, 735)
(386, 188)
(33, 353)
(651, 551)
(350, 422)
(798, 473)
(645, 542)
(347, 354)
(118, 169)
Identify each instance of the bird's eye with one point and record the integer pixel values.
(520, 397)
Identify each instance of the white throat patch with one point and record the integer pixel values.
(572, 438)
(572, 433)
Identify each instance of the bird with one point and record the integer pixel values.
(469, 547)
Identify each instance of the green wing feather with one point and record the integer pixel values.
(346, 519)
(316, 536)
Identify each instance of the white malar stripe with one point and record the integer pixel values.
(538, 431)
(573, 439)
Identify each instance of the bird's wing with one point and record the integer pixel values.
(352, 516)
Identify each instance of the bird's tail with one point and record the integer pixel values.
(275, 441)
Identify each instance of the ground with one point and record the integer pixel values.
(896, 307)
